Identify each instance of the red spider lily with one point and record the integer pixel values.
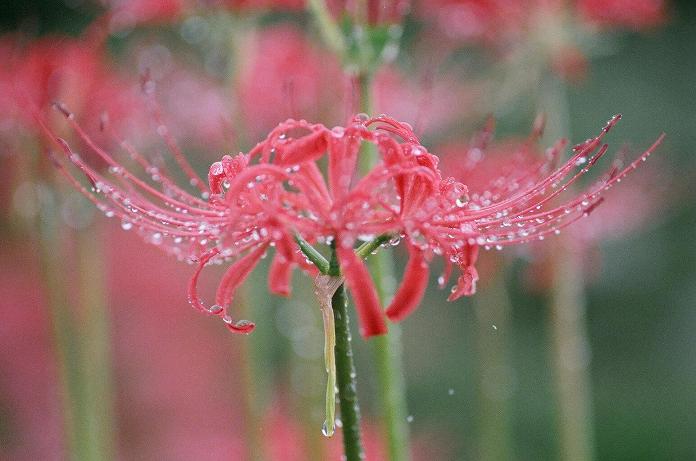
(277, 191)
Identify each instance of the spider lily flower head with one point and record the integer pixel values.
(276, 193)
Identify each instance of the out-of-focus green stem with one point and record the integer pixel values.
(386, 349)
(98, 395)
(345, 372)
(388, 363)
(252, 419)
(570, 348)
(329, 30)
(492, 308)
(65, 335)
(364, 80)
(570, 342)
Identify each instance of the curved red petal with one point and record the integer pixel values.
(466, 284)
(236, 274)
(280, 272)
(410, 293)
(193, 297)
(360, 283)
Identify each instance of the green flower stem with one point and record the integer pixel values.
(345, 372)
(97, 372)
(66, 337)
(367, 248)
(329, 30)
(387, 349)
(66, 348)
(492, 308)
(313, 255)
(249, 355)
(567, 317)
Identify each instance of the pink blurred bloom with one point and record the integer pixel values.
(632, 14)
(506, 20)
(30, 405)
(426, 98)
(59, 68)
(482, 164)
(124, 14)
(284, 75)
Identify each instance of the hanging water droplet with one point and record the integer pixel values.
(409, 419)
(327, 429)
(126, 225)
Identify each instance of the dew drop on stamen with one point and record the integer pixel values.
(326, 429)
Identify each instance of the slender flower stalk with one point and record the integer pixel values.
(492, 308)
(387, 350)
(567, 323)
(345, 371)
(95, 348)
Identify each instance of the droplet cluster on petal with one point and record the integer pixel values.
(304, 179)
